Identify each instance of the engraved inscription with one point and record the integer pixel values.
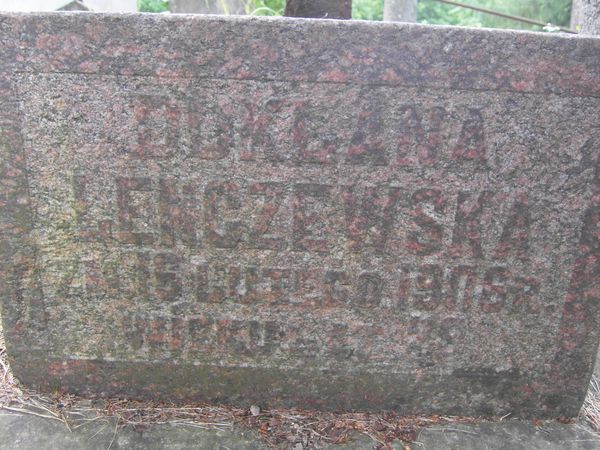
(427, 287)
(307, 217)
(275, 128)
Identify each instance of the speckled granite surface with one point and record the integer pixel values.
(322, 214)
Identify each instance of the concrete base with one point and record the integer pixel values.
(26, 432)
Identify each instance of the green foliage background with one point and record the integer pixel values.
(367, 9)
(556, 12)
(153, 5)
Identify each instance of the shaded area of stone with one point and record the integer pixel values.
(348, 216)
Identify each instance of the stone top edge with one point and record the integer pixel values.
(301, 50)
(295, 21)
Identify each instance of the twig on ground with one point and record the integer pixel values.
(591, 405)
(114, 434)
(27, 411)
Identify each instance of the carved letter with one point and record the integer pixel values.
(369, 290)
(462, 280)
(493, 296)
(259, 236)
(336, 288)
(131, 211)
(369, 219)
(367, 146)
(220, 198)
(428, 241)
(211, 128)
(157, 119)
(215, 284)
(307, 225)
(428, 287)
(166, 273)
(99, 231)
(179, 215)
(471, 143)
(515, 235)
(311, 146)
(468, 224)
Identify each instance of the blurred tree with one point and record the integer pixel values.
(576, 15)
(208, 6)
(585, 16)
(367, 9)
(330, 9)
(400, 10)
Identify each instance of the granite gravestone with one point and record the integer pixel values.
(322, 214)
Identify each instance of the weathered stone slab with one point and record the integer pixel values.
(292, 212)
